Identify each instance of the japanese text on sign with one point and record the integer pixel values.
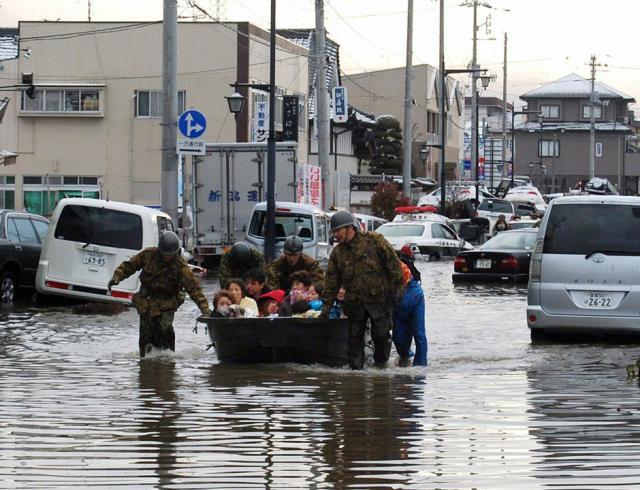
(260, 131)
(310, 185)
(290, 109)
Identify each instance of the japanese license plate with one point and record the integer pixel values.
(483, 264)
(91, 258)
(597, 300)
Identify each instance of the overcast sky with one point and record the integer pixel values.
(547, 38)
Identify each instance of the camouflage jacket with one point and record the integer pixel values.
(279, 271)
(161, 284)
(228, 270)
(368, 269)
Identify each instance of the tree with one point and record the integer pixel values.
(386, 198)
(387, 156)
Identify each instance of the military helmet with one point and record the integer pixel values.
(293, 244)
(239, 253)
(340, 219)
(169, 243)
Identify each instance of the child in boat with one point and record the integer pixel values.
(269, 303)
(315, 291)
(300, 285)
(221, 303)
(336, 307)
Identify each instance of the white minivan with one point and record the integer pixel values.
(585, 267)
(310, 223)
(88, 239)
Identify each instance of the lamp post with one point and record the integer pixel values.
(484, 80)
(513, 148)
(236, 104)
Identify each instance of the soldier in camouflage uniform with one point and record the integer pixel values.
(369, 270)
(164, 278)
(292, 260)
(239, 259)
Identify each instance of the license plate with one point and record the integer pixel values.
(483, 264)
(91, 258)
(597, 299)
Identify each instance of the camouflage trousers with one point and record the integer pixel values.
(380, 316)
(156, 331)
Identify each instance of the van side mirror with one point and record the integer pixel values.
(330, 239)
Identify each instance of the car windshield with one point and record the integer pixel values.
(286, 224)
(519, 241)
(100, 226)
(587, 228)
(496, 206)
(400, 230)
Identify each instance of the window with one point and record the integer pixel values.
(26, 232)
(586, 112)
(585, 228)
(524, 240)
(548, 148)
(32, 179)
(7, 192)
(41, 228)
(12, 231)
(550, 111)
(42, 193)
(149, 103)
(99, 226)
(286, 224)
(496, 206)
(400, 230)
(81, 100)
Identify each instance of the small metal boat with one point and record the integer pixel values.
(280, 339)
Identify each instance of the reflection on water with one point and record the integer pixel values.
(79, 408)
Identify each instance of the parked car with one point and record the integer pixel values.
(505, 185)
(585, 267)
(368, 222)
(21, 239)
(455, 192)
(503, 258)
(528, 195)
(88, 239)
(524, 209)
(493, 208)
(427, 239)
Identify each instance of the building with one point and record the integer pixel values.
(491, 161)
(553, 145)
(93, 128)
(382, 92)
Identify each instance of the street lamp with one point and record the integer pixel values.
(236, 103)
(484, 80)
(513, 148)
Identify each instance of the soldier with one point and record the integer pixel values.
(237, 260)
(369, 270)
(164, 276)
(292, 260)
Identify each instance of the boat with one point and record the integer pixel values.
(279, 340)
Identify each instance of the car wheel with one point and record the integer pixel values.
(8, 286)
(538, 335)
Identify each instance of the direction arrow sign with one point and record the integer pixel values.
(192, 123)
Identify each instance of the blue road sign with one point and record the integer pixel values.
(192, 124)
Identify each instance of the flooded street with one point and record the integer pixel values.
(78, 408)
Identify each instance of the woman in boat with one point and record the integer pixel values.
(221, 303)
(236, 288)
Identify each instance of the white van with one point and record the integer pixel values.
(585, 267)
(88, 239)
(368, 222)
(310, 223)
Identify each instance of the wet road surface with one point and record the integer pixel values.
(78, 408)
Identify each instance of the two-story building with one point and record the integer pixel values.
(93, 127)
(553, 146)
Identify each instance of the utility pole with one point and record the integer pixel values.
(408, 99)
(504, 108)
(270, 229)
(592, 121)
(474, 92)
(322, 107)
(441, 114)
(169, 174)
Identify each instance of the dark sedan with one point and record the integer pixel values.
(503, 258)
(21, 239)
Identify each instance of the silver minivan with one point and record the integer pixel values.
(585, 268)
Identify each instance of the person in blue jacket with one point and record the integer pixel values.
(409, 315)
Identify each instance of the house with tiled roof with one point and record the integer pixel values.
(553, 144)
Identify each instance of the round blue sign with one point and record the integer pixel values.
(192, 124)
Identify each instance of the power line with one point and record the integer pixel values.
(108, 30)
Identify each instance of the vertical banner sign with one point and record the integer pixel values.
(290, 116)
(340, 111)
(301, 187)
(598, 150)
(260, 131)
(315, 184)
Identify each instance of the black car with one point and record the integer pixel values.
(21, 239)
(505, 257)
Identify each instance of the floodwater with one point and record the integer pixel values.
(78, 408)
